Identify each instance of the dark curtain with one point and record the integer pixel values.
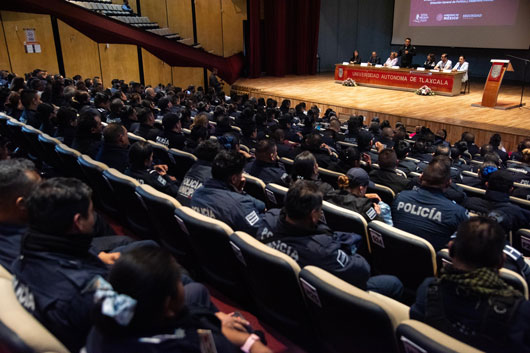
(290, 36)
(254, 38)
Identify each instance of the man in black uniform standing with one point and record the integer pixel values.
(406, 52)
(214, 81)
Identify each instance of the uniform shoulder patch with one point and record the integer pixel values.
(252, 218)
(371, 213)
(342, 258)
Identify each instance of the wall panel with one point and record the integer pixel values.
(132, 4)
(118, 61)
(185, 76)
(209, 29)
(80, 53)
(4, 55)
(234, 12)
(22, 62)
(180, 18)
(155, 10)
(155, 70)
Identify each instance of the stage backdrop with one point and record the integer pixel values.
(346, 25)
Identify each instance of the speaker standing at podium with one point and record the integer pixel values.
(406, 52)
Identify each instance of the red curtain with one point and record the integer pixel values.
(290, 37)
(254, 52)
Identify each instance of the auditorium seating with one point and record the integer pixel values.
(347, 318)
(17, 319)
(521, 241)
(276, 194)
(10, 342)
(32, 142)
(255, 187)
(48, 145)
(69, 166)
(272, 278)
(385, 193)
(415, 336)
(329, 176)
(134, 138)
(182, 159)
(405, 255)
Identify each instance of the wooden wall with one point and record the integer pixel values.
(219, 30)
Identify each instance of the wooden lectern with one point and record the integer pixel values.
(493, 84)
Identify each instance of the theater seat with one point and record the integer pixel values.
(343, 220)
(399, 253)
(161, 211)
(14, 133)
(288, 164)
(5, 273)
(272, 278)
(385, 193)
(3, 124)
(130, 206)
(104, 197)
(183, 161)
(348, 319)
(521, 241)
(32, 141)
(17, 319)
(11, 343)
(69, 166)
(472, 191)
(510, 277)
(135, 138)
(161, 156)
(415, 336)
(329, 176)
(276, 194)
(210, 241)
(255, 187)
(49, 154)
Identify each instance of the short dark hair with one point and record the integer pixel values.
(303, 166)
(364, 139)
(143, 114)
(169, 121)
(302, 198)
(27, 96)
(149, 274)
(207, 150)
(14, 180)
(387, 159)
(65, 115)
(100, 98)
(138, 153)
(479, 243)
(437, 173)
(264, 147)
(116, 105)
(226, 164)
(402, 148)
(53, 204)
(442, 150)
(113, 132)
(501, 180)
(87, 122)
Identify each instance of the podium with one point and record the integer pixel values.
(493, 84)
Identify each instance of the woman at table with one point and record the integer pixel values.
(355, 59)
(392, 60)
(430, 63)
(462, 65)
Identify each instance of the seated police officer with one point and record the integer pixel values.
(296, 230)
(387, 175)
(425, 211)
(140, 162)
(146, 128)
(171, 136)
(266, 165)
(223, 198)
(55, 263)
(469, 300)
(199, 172)
(115, 147)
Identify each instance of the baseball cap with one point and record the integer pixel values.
(358, 176)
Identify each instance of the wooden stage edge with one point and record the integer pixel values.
(455, 114)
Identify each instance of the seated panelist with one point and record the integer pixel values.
(462, 65)
(444, 63)
(392, 60)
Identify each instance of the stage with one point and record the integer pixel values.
(455, 114)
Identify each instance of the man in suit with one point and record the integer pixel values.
(406, 52)
(462, 65)
(374, 59)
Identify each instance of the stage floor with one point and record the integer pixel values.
(455, 114)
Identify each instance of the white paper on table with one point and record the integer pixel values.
(395, 67)
(364, 64)
(378, 65)
(345, 63)
(447, 71)
(420, 69)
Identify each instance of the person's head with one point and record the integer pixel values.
(227, 167)
(334, 124)
(387, 133)
(150, 93)
(89, 123)
(207, 150)
(171, 122)
(303, 203)
(437, 174)
(116, 134)
(116, 106)
(402, 149)
(479, 243)
(61, 206)
(364, 140)
(407, 41)
(66, 116)
(150, 276)
(266, 151)
(140, 155)
(146, 116)
(45, 113)
(501, 181)
(526, 156)
(305, 167)
(442, 150)
(164, 104)
(350, 156)
(30, 99)
(461, 59)
(393, 55)
(468, 137)
(388, 159)
(229, 141)
(200, 120)
(431, 57)
(356, 181)
(101, 100)
(18, 177)
(355, 53)
(485, 149)
(486, 169)
(374, 54)
(495, 140)
(444, 57)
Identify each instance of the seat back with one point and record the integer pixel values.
(521, 241)
(329, 176)
(288, 164)
(14, 133)
(134, 138)
(161, 156)
(129, 203)
(255, 187)
(399, 253)
(347, 318)
(210, 241)
(17, 319)
(69, 165)
(385, 193)
(3, 124)
(344, 220)
(520, 202)
(276, 195)
(32, 141)
(415, 336)
(472, 191)
(11, 343)
(49, 154)
(272, 278)
(183, 160)
(104, 197)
